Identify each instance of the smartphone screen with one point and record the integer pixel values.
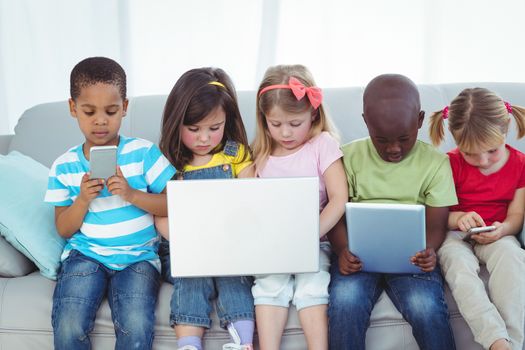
(102, 161)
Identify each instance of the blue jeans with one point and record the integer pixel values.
(419, 298)
(191, 301)
(82, 284)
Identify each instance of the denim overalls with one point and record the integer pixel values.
(191, 299)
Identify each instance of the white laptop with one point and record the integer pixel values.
(386, 236)
(237, 227)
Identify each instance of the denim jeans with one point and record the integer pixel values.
(192, 298)
(191, 301)
(419, 298)
(82, 284)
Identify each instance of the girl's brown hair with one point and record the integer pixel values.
(190, 101)
(476, 117)
(286, 100)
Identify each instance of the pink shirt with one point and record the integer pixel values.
(312, 159)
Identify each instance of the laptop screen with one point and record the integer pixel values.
(228, 227)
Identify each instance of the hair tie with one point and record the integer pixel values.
(508, 106)
(315, 94)
(217, 83)
(445, 112)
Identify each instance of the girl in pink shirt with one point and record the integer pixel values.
(295, 138)
(489, 176)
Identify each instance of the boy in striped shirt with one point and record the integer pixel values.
(108, 223)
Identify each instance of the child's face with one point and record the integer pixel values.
(487, 159)
(289, 131)
(203, 137)
(392, 133)
(99, 110)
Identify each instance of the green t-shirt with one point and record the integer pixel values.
(422, 177)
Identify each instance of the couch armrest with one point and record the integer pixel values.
(5, 140)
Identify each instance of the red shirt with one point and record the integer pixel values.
(487, 195)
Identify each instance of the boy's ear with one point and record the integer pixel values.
(125, 107)
(363, 115)
(72, 108)
(420, 119)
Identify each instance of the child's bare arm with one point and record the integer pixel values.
(464, 220)
(348, 263)
(436, 229)
(153, 203)
(453, 217)
(69, 219)
(161, 223)
(337, 190)
(512, 223)
(249, 171)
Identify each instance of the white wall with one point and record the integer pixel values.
(344, 43)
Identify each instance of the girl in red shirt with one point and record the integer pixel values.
(489, 176)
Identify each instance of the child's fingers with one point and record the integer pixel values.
(478, 220)
(426, 264)
(95, 183)
(119, 172)
(473, 221)
(349, 263)
(349, 268)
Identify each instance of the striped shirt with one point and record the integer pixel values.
(114, 232)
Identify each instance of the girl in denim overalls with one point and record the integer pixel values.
(295, 138)
(204, 138)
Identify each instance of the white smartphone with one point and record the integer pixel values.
(481, 229)
(102, 162)
(476, 230)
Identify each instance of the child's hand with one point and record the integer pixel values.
(349, 263)
(89, 189)
(118, 185)
(470, 220)
(425, 259)
(489, 236)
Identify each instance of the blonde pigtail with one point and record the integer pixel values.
(436, 128)
(519, 116)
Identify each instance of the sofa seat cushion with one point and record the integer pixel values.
(26, 302)
(25, 309)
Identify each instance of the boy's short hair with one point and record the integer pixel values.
(95, 70)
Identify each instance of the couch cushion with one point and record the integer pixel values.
(12, 262)
(25, 313)
(26, 221)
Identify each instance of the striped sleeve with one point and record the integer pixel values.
(58, 192)
(157, 169)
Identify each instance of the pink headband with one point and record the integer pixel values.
(445, 112)
(508, 106)
(315, 95)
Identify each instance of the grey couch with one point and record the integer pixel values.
(45, 131)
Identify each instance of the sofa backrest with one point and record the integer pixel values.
(45, 131)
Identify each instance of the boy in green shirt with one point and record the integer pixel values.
(392, 166)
